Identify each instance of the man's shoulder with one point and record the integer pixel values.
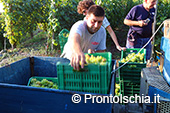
(137, 6)
(80, 22)
(102, 29)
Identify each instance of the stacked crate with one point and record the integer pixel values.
(130, 73)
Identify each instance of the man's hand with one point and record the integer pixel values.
(142, 23)
(90, 51)
(121, 48)
(76, 58)
(77, 54)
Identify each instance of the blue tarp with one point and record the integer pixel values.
(165, 46)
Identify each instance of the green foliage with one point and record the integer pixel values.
(23, 16)
(116, 10)
(65, 13)
(37, 38)
(2, 24)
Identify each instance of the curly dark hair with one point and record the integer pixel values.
(85, 4)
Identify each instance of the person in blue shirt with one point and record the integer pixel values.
(140, 19)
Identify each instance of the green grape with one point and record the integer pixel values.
(38, 82)
(43, 83)
(141, 58)
(95, 59)
(50, 84)
(133, 59)
(35, 85)
(33, 80)
(55, 86)
(137, 58)
(102, 63)
(123, 60)
(66, 35)
(127, 59)
(133, 54)
(117, 89)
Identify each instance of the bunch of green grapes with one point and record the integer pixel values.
(95, 60)
(139, 58)
(117, 89)
(44, 83)
(66, 35)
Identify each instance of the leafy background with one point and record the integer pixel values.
(29, 22)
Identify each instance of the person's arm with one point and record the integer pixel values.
(140, 23)
(114, 38)
(77, 54)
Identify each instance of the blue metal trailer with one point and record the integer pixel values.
(17, 97)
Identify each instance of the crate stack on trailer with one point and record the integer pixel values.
(130, 73)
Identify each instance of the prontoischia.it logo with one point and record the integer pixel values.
(76, 98)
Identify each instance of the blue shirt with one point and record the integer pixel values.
(137, 13)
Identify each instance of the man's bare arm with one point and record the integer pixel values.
(77, 54)
(140, 23)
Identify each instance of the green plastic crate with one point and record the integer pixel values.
(129, 88)
(132, 70)
(131, 50)
(52, 79)
(130, 74)
(93, 78)
(63, 38)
